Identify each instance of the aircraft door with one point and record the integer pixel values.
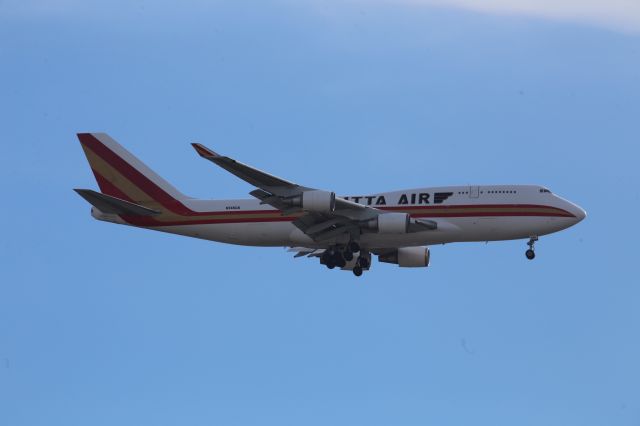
(474, 191)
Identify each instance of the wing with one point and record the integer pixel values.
(325, 217)
(255, 177)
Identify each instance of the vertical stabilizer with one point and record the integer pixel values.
(120, 174)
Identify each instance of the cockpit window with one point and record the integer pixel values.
(545, 190)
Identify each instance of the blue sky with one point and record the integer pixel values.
(107, 325)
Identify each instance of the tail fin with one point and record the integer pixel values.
(121, 175)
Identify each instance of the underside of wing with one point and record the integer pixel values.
(325, 227)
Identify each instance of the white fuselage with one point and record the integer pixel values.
(462, 213)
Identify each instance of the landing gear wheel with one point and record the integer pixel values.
(530, 253)
(357, 271)
(363, 262)
(353, 247)
(338, 260)
(348, 256)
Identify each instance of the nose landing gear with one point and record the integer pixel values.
(530, 253)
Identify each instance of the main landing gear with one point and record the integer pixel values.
(339, 256)
(361, 264)
(530, 253)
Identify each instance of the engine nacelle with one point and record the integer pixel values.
(390, 223)
(408, 257)
(315, 201)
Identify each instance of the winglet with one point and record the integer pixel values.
(203, 151)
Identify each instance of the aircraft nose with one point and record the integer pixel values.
(578, 212)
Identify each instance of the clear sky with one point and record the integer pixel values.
(105, 325)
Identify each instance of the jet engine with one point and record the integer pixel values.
(408, 257)
(315, 201)
(390, 223)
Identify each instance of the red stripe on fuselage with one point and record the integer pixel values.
(148, 221)
(435, 213)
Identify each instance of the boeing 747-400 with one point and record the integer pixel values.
(341, 231)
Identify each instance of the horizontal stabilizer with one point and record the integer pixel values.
(112, 205)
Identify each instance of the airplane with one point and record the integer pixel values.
(341, 231)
